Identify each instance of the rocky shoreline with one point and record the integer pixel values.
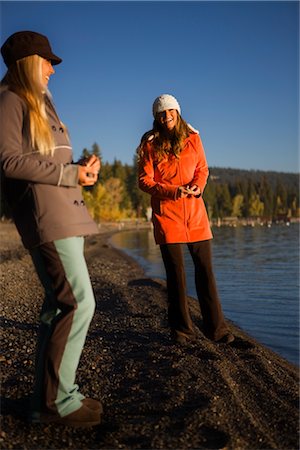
(156, 395)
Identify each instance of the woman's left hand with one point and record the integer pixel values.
(94, 164)
(195, 191)
(88, 173)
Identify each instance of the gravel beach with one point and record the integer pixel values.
(156, 395)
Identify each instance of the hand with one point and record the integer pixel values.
(194, 190)
(93, 162)
(88, 173)
(185, 191)
(182, 192)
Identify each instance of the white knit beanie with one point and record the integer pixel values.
(164, 102)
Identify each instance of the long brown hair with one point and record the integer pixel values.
(24, 78)
(166, 142)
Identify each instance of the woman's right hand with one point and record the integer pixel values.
(182, 192)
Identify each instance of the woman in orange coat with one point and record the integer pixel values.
(173, 170)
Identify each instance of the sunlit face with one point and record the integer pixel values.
(168, 118)
(47, 70)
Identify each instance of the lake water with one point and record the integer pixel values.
(257, 271)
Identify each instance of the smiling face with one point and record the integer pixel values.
(47, 70)
(168, 118)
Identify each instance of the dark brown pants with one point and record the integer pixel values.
(214, 326)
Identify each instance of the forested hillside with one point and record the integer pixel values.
(252, 194)
(230, 193)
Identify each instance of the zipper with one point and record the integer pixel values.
(184, 202)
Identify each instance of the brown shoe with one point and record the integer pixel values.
(227, 339)
(93, 404)
(81, 418)
(181, 338)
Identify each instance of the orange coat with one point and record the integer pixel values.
(183, 219)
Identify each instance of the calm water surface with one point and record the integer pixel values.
(257, 271)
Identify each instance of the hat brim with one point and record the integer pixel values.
(51, 57)
(56, 61)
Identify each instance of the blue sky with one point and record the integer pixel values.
(233, 66)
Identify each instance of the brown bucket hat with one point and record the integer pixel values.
(27, 43)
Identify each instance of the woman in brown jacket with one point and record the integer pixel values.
(173, 170)
(43, 188)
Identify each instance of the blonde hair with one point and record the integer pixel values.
(24, 78)
(165, 142)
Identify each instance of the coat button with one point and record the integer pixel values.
(76, 202)
(53, 127)
(61, 129)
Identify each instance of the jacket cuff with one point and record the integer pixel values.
(69, 175)
(174, 193)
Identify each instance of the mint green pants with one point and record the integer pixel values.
(66, 314)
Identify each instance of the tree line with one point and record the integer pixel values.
(229, 193)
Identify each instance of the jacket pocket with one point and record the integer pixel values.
(172, 210)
